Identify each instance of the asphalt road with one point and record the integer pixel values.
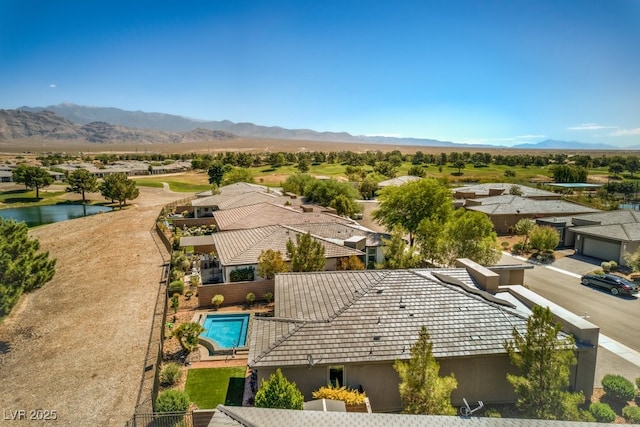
(617, 316)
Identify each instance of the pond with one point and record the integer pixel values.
(39, 215)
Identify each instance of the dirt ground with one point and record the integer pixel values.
(77, 346)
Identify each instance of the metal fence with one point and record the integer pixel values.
(169, 419)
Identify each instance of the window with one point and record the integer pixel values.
(371, 255)
(336, 375)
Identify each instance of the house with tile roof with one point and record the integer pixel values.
(479, 191)
(608, 236)
(398, 181)
(350, 327)
(505, 211)
(263, 214)
(240, 249)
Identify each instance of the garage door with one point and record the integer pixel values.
(601, 249)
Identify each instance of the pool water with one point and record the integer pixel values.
(226, 330)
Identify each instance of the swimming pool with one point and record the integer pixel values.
(226, 330)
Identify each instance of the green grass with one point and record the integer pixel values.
(174, 185)
(209, 388)
(22, 198)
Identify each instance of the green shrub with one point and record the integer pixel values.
(602, 412)
(606, 266)
(269, 298)
(613, 265)
(176, 287)
(638, 382)
(242, 274)
(492, 413)
(170, 374)
(172, 401)
(619, 388)
(251, 297)
(631, 414)
(217, 300)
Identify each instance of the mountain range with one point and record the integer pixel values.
(112, 125)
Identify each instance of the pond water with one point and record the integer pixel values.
(38, 215)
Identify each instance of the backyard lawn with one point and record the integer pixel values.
(211, 387)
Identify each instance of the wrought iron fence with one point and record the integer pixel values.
(169, 419)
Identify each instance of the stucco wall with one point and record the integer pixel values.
(479, 378)
(234, 293)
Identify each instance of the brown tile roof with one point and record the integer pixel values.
(340, 232)
(513, 205)
(375, 316)
(242, 247)
(263, 214)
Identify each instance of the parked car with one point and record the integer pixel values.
(615, 284)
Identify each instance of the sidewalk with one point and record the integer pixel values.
(613, 357)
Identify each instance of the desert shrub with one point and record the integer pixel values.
(170, 374)
(176, 287)
(613, 265)
(606, 266)
(269, 298)
(172, 401)
(504, 244)
(251, 297)
(618, 387)
(631, 414)
(348, 396)
(492, 413)
(602, 412)
(517, 247)
(217, 300)
(510, 173)
(242, 274)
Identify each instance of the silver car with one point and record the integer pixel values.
(615, 284)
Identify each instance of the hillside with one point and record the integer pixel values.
(47, 125)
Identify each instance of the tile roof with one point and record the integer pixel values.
(483, 189)
(239, 188)
(399, 180)
(229, 201)
(375, 316)
(625, 232)
(512, 205)
(242, 247)
(263, 214)
(340, 232)
(227, 416)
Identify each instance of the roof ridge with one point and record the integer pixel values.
(356, 296)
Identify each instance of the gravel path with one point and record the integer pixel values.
(77, 346)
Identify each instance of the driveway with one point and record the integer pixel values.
(576, 263)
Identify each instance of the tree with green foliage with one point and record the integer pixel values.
(417, 170)
(632, 259)
(271, 262)
(237, 175)
(216, 173)
(187, 334)
(81, 181)
(278, 393)
(408, 204)
(119, 187)
(296, 183)
(459, 164)
(22, 267)
(325, 191)
(422, 390)
(303, 165)
(397, 254)
(471, 235)
(33, 177)
(369, 185)
(566, 173)
(345, 206)
(307, 254)
(523, 228)
(544, 239)
(544, 360)
(386, 169)
(616, 168)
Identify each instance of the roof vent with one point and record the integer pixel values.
(379, 291)
(376, 337)
(475, 337)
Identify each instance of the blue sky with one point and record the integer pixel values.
(497, 72)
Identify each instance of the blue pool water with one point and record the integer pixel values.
(227, 330)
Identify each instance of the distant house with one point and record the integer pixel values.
(206, 206)
(506, 210)
(398, 181)
(350, 327)
(604, 235)
(262, 214)
(240, 249)
(6, 176)
(479, 191)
